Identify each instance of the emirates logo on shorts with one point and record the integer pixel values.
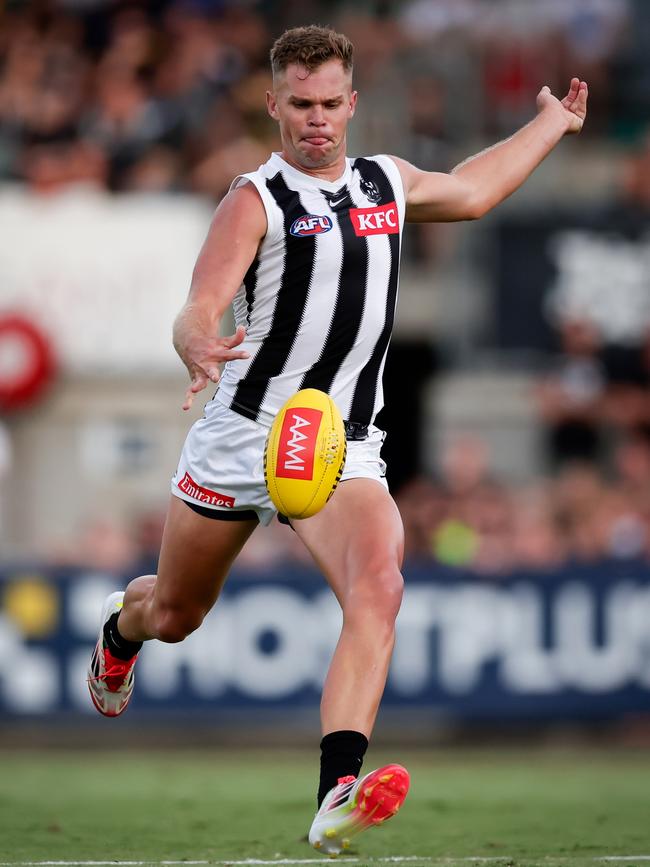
(298, 443)
(204, 495)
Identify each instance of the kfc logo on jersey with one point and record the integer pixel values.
(204, 495)
(310, 224)
(375, 221)
(298, 443)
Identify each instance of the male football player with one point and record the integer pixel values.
(306, 249)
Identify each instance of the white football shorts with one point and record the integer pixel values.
(222, 464)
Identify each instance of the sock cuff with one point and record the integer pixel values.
(119, 646)
(338, 738)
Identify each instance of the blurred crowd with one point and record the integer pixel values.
(581, 514)
(157, 95)
(591, 500)
(462, 517)
(589, 504)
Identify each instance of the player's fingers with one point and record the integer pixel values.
(230, 354)
(198, 384)
(578, 105)
(574, 94)
(236, 338)
(189, 397)
(543, 97)
(213, 374)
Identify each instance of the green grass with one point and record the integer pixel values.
(527, 810)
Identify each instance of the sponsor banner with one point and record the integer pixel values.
(574, 644)
(103, 276)
(562, 265)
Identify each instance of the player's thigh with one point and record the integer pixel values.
(357, 539)
(195, 556)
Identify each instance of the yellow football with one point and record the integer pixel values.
(304, 454)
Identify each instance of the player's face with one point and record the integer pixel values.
(313, 110)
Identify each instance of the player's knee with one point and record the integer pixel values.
(173, 625)
(390, 589)
(378, 596)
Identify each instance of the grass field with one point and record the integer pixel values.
(523, 810)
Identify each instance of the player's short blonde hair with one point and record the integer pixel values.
(310, 47)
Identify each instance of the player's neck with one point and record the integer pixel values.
(331, 172)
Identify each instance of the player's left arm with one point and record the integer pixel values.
(479, 183)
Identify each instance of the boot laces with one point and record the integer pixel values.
(116, 670)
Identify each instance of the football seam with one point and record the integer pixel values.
(339, 471)
(320, 482)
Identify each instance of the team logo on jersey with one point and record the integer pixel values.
(298, 443)
(310, 224)
(375, 221)
(370, 190)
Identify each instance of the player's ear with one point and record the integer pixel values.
(353, 103)
(272, 105)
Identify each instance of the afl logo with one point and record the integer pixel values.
(310, 224)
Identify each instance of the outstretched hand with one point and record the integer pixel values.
(204, 368)
(574, 104)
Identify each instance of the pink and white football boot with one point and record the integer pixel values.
(354, 805)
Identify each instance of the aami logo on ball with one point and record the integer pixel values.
(310, 224)
(298, 443)
(375, 221)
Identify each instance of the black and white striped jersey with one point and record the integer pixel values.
(318, 302)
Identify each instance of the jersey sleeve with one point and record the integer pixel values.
(274, 220)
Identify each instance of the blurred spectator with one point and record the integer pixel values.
(101, 544)
(52, 166)
(538, 542)
(577, 492)
(464, 466)
(159, 170)
(570, 400)
(124, 120)
(632, 466)
(147, 536)
(423, 507)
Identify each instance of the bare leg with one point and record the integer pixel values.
(195, 558)
(357, 541)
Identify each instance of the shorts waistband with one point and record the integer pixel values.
(354, 430)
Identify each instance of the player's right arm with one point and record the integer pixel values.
(236, 231)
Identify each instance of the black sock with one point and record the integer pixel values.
(341, 756)
(118, 646)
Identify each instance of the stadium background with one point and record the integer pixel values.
(518, 381)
